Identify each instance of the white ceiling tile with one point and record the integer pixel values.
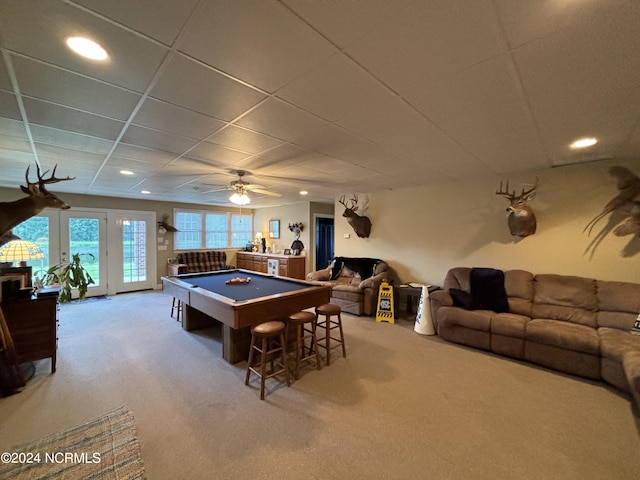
(217, 154)
(147, 137)
(335, 89)
(57, 116)
(70, 89)
(428, 40)
(64, 155)
(143, 154)
(281, 120)
(524, 21)
(243, 140)
(9, 106)
(175, 119)
(65, 138)
(159, 19)
(343, 22)
(198, 87)
(261, 43)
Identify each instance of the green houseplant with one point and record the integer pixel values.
(70, 275)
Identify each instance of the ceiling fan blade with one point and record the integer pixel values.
(265, 192)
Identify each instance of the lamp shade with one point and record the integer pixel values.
(20, 251)
(240, 199)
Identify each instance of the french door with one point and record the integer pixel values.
(117, 248)
(132, 260)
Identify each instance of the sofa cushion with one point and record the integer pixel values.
(631, 365)
(615, 343)
(618, 303)
(474, 319)
(509, 324)
(519, 287)
(561, 334)
(487, 289)
(563, 297)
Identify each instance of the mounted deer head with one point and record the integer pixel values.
(522, 221)
(14, 213)
(360, 224)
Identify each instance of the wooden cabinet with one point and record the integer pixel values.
(288, 265)
(33, 325)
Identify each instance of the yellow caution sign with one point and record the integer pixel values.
(385, 304)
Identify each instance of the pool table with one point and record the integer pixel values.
(208, 297)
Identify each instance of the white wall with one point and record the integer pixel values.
(423, 232)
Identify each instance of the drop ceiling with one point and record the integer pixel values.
(331, 97)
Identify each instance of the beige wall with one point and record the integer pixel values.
(422, 232)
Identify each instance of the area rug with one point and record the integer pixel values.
(103, 449)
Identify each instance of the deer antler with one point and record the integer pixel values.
(506, 193)
(512, 195)
(32, 187)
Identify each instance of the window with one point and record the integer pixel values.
(201, 229)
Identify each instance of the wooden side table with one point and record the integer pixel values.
(33, 324)
(411, 295)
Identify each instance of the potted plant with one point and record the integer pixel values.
(70, 275)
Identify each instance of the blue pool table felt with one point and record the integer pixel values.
(260, 286)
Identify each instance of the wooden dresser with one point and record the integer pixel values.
(288, 265)
(33, 324)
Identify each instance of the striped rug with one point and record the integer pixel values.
(104, 448)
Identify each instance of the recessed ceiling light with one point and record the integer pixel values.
(146, 192)
(126, 172)
(584, 142)
(303, 192)
(87, 48)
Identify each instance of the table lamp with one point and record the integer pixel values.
(20, 251)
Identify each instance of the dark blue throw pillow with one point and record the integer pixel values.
(461, 298)
(487, 289)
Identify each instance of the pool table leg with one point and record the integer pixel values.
(235, 343)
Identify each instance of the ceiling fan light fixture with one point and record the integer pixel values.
(240, 198)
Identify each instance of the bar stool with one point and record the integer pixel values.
(176, 305)
(262, 341)
(330, 310)
(305, 328)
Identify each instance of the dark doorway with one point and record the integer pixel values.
(324, 242)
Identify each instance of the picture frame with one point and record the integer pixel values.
(11, 293)
(25, 272)
(287, 251)
(274, 228)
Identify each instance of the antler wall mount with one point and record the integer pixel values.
(360, 224)
(522, 221)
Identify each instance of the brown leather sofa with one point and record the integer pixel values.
(571, 324)
(354, 282)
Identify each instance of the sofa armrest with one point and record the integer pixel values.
(440, 298)
(174, 269)
(320, 275)
(374, 282)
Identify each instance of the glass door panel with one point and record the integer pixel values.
(134, 251)
(84, 233)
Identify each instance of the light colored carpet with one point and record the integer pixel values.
(401, 405)
(102, 449)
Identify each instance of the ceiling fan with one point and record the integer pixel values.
(240, 189)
